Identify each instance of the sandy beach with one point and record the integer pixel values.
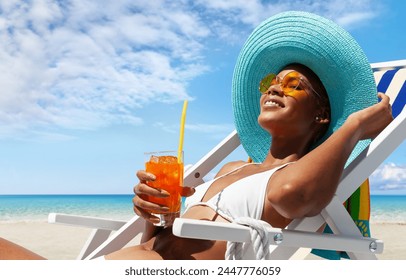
(52, 241)
(394, 238)
(59, 242)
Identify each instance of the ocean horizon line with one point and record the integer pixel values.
(28, 207)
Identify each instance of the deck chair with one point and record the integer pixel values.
(300, 233)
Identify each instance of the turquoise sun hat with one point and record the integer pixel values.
(316, 42)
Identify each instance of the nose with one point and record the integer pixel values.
(275, 90)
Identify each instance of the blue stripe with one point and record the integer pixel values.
(386, 80)
(400, 101)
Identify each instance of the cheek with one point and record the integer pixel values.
(303, 110)
(300, 96)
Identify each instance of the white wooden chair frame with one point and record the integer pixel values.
(300, 233)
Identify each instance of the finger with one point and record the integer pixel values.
(385, 101)
(187, 191)
(149, 206)
(380, 94)
(383, 97)
(142, 188)
(145, 176)
(146, 215)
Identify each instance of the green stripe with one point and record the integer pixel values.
(355, 204)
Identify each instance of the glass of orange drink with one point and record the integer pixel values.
(169, 176)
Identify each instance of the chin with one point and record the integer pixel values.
(266, 122)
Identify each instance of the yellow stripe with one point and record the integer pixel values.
(364, 210)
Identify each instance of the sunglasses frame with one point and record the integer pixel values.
(268, 80)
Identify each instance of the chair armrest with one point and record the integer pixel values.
(282, 237)
(84, 221)
(207, 230)
(100, 241)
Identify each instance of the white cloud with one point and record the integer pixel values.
(389, 177)
(354, 18)
(86, 64)
(347, 13)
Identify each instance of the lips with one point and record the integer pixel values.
(273, 103)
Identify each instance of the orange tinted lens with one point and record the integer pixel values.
(292, 85)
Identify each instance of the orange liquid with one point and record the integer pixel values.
(169, 176)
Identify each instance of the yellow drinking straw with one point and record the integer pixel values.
(182, 131)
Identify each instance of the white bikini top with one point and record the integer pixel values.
(243, 198)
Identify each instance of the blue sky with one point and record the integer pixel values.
(88, 86)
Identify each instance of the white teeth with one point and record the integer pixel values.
(272, 103)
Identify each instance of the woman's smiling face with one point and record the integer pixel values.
(290, 104)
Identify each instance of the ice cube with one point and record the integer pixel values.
(168, 159)
(154, 159)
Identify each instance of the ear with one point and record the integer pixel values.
(320, 120)
(322, 116)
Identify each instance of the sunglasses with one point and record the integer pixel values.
(291, 84)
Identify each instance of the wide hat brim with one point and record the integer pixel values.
(311, 40)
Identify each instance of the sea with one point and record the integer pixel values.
(32, 208)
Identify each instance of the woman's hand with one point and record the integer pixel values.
(374, 119)
(142, 207)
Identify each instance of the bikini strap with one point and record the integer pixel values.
(250, 163)
(235, 169)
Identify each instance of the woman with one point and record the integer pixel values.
(293, 189)
(311, 120)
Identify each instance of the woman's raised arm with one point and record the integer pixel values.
(306, 187)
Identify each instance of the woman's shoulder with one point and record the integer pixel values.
(230, 166)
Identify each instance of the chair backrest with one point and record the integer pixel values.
(390, 78)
